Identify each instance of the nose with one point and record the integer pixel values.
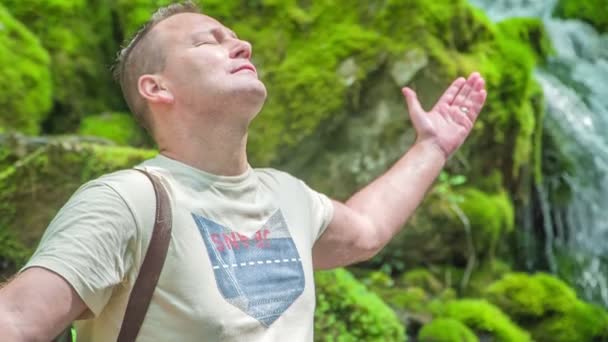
(240, 49)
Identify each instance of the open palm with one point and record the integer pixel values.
(450, 121)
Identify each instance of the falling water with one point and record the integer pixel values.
(575, 84)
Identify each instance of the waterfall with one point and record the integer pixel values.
(575, 84)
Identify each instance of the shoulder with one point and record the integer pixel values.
(129, 189)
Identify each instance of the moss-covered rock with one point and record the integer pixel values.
(529, 31)
(79, 36)
(548, 308)
(25, 77)
(446, 330)
(347, 311)
(584, 322)
(591, 11)
(482, 317)
(525, 296)
(422, 278)
(39, 182)
(491, 217)
(120, 128)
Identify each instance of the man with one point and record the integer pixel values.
(245, 241)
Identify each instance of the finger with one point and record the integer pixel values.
(461, 118)
(472, 107)
(478, 100)
(474, 103)
(450, 93)
(480, 84)
(462, 95)
(413, 105)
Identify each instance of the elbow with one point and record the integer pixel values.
(369, 244)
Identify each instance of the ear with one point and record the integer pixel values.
(152, 88)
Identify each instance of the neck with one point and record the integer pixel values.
(221, 150)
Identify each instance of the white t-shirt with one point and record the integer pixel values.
(239, 264)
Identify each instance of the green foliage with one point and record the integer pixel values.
(347, 311)
(14, 253)
(446, 330)
(132, 14)
(25, 77)
(120, 128)
(79, 37)
(446, 184)
(591, 11)
(548, 308)
(482, 317)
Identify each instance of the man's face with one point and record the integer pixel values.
(207, 68)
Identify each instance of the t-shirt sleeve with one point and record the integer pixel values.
(322, 210)
(87, 243)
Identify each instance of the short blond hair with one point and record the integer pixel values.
(141, 56)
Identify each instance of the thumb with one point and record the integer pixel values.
(413, 104)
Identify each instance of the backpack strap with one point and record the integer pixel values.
(149, 273)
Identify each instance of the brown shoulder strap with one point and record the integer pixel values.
(146, 281)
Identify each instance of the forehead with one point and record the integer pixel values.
(184, 25)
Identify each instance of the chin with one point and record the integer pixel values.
(247, 100)
(252, 92)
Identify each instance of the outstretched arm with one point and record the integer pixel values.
(37, 305)
(371, 217)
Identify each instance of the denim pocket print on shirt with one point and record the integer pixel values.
(262, 274)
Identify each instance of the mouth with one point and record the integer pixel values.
(244, 67)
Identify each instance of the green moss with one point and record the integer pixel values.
(491, 217)
(422, 278)
(40, 182)
(25, 77)
(528, 31)
(485, 274)
(347, 311)
(591, 11)
(411, 299)
(120, 128)
(482, 317)
(511, 110)
(82, 48)
(548, 307)
(584, 322)
(378, 279)
(446, 330)
(309, 72)
(525, 296)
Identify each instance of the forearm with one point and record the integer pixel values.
(389, 201)
(9, 329)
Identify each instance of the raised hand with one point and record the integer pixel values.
(450, 121)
